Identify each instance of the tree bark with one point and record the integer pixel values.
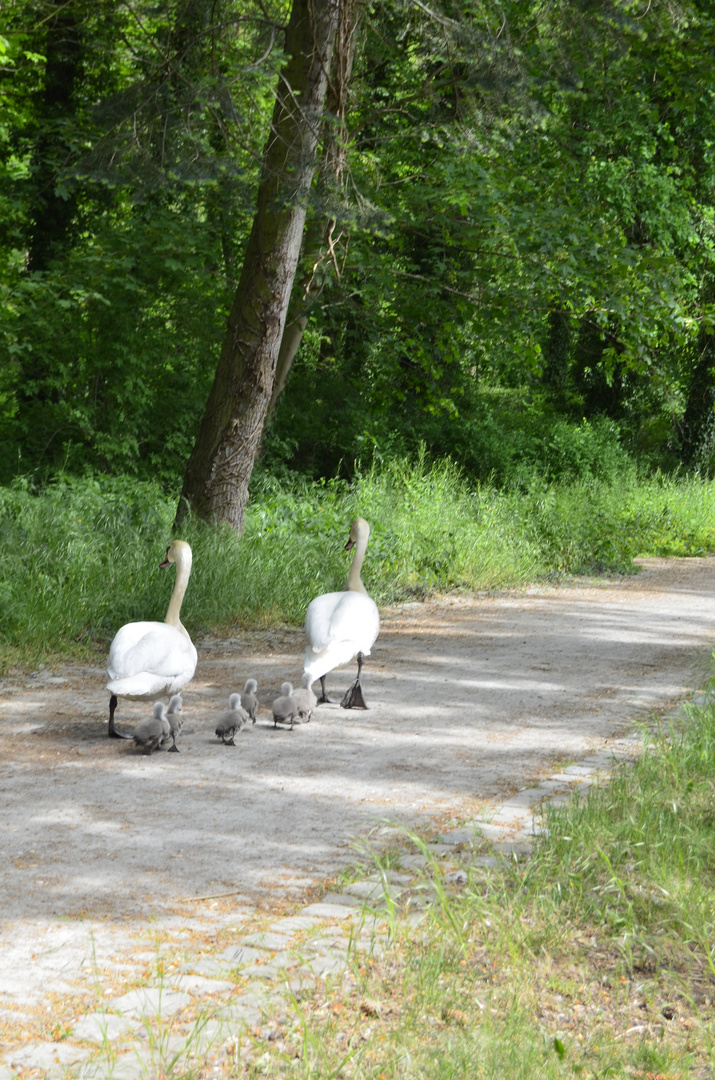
(219, 469)
(588, 376)
(309, 284)
(557, 354)
(51, 213)
(699, 412)
(290, 343)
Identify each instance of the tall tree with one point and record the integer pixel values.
(324, 232)
(52, 210)
(219, 469)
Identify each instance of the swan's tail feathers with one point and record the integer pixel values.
(145, 684)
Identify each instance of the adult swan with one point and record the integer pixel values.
(340, 626)
(150, 659)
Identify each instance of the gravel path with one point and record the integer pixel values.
(105, 853)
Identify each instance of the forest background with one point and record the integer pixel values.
(502, 314)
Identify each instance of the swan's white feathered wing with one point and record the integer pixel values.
(338, 626)
(148, 659)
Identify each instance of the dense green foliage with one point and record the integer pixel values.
(80, 556)
(521, 236)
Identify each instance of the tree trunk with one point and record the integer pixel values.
(557, 354)
(290, 343)
(601, 397)
(51, 213)
(219, 469)
(698, 416)
(318, 241)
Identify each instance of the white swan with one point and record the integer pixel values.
(340, 626)
(150, 659)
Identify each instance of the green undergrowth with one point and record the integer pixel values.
(594, 958)
(79, 557)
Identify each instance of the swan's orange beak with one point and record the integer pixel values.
(163, 565)
(350, 545)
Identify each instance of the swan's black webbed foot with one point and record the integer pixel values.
(112, 733)
(323, 699)
(353, 698)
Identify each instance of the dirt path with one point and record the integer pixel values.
(470, 699)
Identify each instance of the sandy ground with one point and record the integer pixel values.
(470, 699)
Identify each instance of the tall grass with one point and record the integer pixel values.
(641, 861)
(587, 525)
(80, 556)
(594, 958)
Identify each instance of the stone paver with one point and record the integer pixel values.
(275, 964)
(371, 890)
(329, 911)
(271, 941)
(242, 1015)
(151, 1001)
(51, 1058)
(293, 924)
(342, 899)
(322, 965)
(199, 984)
(419, 862)
(135, 1064)
(240, 955)
(103, 1027)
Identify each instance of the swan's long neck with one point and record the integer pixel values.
(183, 572)
(354, 583)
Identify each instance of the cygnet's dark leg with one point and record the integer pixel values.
(174, 749)
(323, 699)
(113, 733)
(353, 695)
